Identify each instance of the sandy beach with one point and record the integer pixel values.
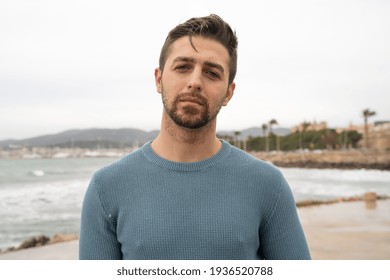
(348, 231)
(341, 231)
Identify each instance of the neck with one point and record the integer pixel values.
(182, 144)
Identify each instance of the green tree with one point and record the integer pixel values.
(314, 140)
(366, 115)
(271, 123)
(264, 127)
(353, 138)
(236, 138)
(302, 133)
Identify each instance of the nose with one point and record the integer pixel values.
(195, 82)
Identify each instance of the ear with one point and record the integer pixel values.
(157, 79)
(229, 93)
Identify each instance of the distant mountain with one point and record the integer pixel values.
(87, 138)
(112, 138)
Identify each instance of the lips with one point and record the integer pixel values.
(192, 100)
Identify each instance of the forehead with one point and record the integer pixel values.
(205, 50)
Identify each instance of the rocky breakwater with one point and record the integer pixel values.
(348, 159)
(41, 240)
(370, 199)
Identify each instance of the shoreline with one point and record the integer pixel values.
(333, 165)
(316, 159)
(328, 159)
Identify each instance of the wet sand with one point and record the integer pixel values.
(340, 231)
(348, 231)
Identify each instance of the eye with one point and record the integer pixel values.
(183, 67)
(212, 74)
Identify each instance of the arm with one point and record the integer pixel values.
(97, 233)
(282, 237)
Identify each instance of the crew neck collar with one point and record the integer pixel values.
(186, 166)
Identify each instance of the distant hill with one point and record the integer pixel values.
(111, 138)
(87, 138)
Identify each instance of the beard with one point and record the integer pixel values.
(192, 116)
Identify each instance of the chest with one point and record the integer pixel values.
(207, 223)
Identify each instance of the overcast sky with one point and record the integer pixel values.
(90, 63)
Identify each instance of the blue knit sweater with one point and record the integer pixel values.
(230, 206)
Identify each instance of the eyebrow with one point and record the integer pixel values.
(193, 60)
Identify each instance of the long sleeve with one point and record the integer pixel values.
(97, 233)
(283, 238)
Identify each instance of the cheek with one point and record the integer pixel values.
(222, 97)
(170, 89)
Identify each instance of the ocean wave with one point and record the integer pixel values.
(37, 173)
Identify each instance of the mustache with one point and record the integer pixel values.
(191, 96)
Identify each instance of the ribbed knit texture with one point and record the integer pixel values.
(230, 206)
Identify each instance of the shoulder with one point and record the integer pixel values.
(110, 183)
(114, 172)
(248, 162)
(262, 179)
(262, 175)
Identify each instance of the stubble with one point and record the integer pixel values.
(192, 116)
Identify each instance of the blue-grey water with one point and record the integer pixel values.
(44, 196)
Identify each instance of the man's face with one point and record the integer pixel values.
(195, 83)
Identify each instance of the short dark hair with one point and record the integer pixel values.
(211, 27)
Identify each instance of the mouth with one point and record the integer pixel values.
(192, 100)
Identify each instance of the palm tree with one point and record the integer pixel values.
(271, 123)
(264, 127)
(302, 131)
(236, 138)
(366, 114)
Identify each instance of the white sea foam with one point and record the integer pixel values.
(334, 183)
(42, 196)
(38, 173)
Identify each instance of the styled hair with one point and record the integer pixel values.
(210, 27)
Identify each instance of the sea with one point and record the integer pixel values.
(44, 196)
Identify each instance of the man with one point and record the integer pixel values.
(187, 194)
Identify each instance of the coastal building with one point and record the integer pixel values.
(378, 135)
(307, 126)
